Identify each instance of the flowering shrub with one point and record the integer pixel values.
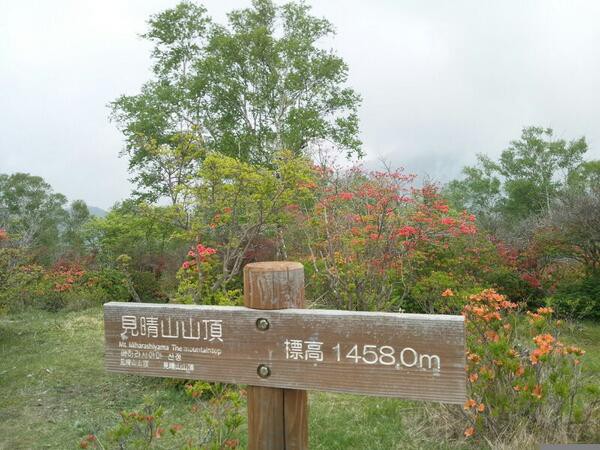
(65, 276)
(519, 372)
(216, 407)
(197, 257)
(142, 429)
(25, 284)
(371, 241)
(219, 407)
(197, 274)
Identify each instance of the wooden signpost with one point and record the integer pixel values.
(280, 350)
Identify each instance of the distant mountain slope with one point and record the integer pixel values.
(98, 212)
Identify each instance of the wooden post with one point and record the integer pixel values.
(277, 418)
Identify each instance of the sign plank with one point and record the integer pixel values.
(412, 356)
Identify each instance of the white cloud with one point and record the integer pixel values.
(441, 81)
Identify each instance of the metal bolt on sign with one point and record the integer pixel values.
(263, 371)
(262, 324)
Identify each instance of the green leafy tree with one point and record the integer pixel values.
(162, 123)
(479, 191)
(247, 89)
(73, 238)
(31, 212)
(586, 178)
(535, 169)
(529, 175)
(168, 167)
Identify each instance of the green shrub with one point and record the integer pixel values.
(110, 281)
(220, 412)
(148, 287)
(217, 408)
(143, 429)
(579, 299)
(22, 287)
(507, 281)
(439, 293)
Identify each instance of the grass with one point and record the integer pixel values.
(360, 422)
(587, 336)
(54, 390)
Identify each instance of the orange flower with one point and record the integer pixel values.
(537, 391)
(545, 310)
(448, 293)
(231, 443)
(479, 311)
(469, 432)
(492, 336)
(535, 356)
(85, 442)
(508, 305)
(543, 339)
(469, 404)
(473, 377)
(474, 357)
(520, 371)
(492, 315)
(575, 350)
(481, 407)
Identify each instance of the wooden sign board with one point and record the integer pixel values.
(412, 356)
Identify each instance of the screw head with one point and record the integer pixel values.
(262, 324)
(263, 371)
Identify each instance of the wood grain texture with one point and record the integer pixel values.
(268, 286)
(243, 347)
(274, 285)
(295, 413)
(266, 418)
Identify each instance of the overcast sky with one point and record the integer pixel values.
(441, 80)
